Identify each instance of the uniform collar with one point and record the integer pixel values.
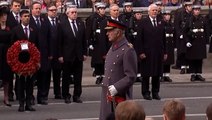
(118, 44)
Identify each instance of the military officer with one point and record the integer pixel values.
(170, 45)
(97, 46)
(196, 43)
(181, 18)
(120, 69)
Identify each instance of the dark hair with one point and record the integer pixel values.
(33, 3)
(18, 1)
(24, 12)
(4, 10)
(51, 4)
(209, 111)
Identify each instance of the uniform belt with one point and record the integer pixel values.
(169, 35)
(197, 30)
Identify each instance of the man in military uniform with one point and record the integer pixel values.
(97, 46)
(181, 18)
(120, 69)
(196, 43)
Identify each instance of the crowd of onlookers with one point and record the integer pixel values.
(136, 3)
(172, 110)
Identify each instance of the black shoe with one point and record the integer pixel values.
(200, 78)
(99, 80)
(77, 100)
(138, 79)
(57, 97)
(162, 79)
(21, 109)
(167, 79)
(32, 101)
(67, 100)
(7, 104)
(147, 97)
(183, 71)
(176, 67)
(156, 97)
(193, 78)
(42, 102)
(29, 108)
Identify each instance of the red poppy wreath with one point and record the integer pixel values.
(22, 61)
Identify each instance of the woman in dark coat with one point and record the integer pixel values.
(5, 34)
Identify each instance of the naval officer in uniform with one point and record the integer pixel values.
(120, 69)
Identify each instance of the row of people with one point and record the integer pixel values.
(172, 110)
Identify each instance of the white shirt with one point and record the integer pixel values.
(152, 21)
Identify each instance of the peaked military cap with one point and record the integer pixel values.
(196, 7)
(101, 5)
(4, 3)
(188, 3)
(158, 3)
(127, 4)
(112, 24)
(97, 3)
(166, 12)
(137, 11)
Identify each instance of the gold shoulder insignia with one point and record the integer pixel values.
(130, 45)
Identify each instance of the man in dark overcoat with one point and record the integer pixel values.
(53, 22)
(72, 53)
(13, 20)
(43, 75)
(120, 69)
(152, 52)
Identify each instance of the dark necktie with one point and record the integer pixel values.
(154, 23)
(16, 18)
(26, 31)
(53, 22)
(74, 27)
(38, 22)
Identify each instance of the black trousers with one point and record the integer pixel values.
(99, 69)
(155, 85)
(25, 89)
(182, 61)
(43, 84)
(195, 66)
(166, 68)
(56, 73)
(72, 68)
